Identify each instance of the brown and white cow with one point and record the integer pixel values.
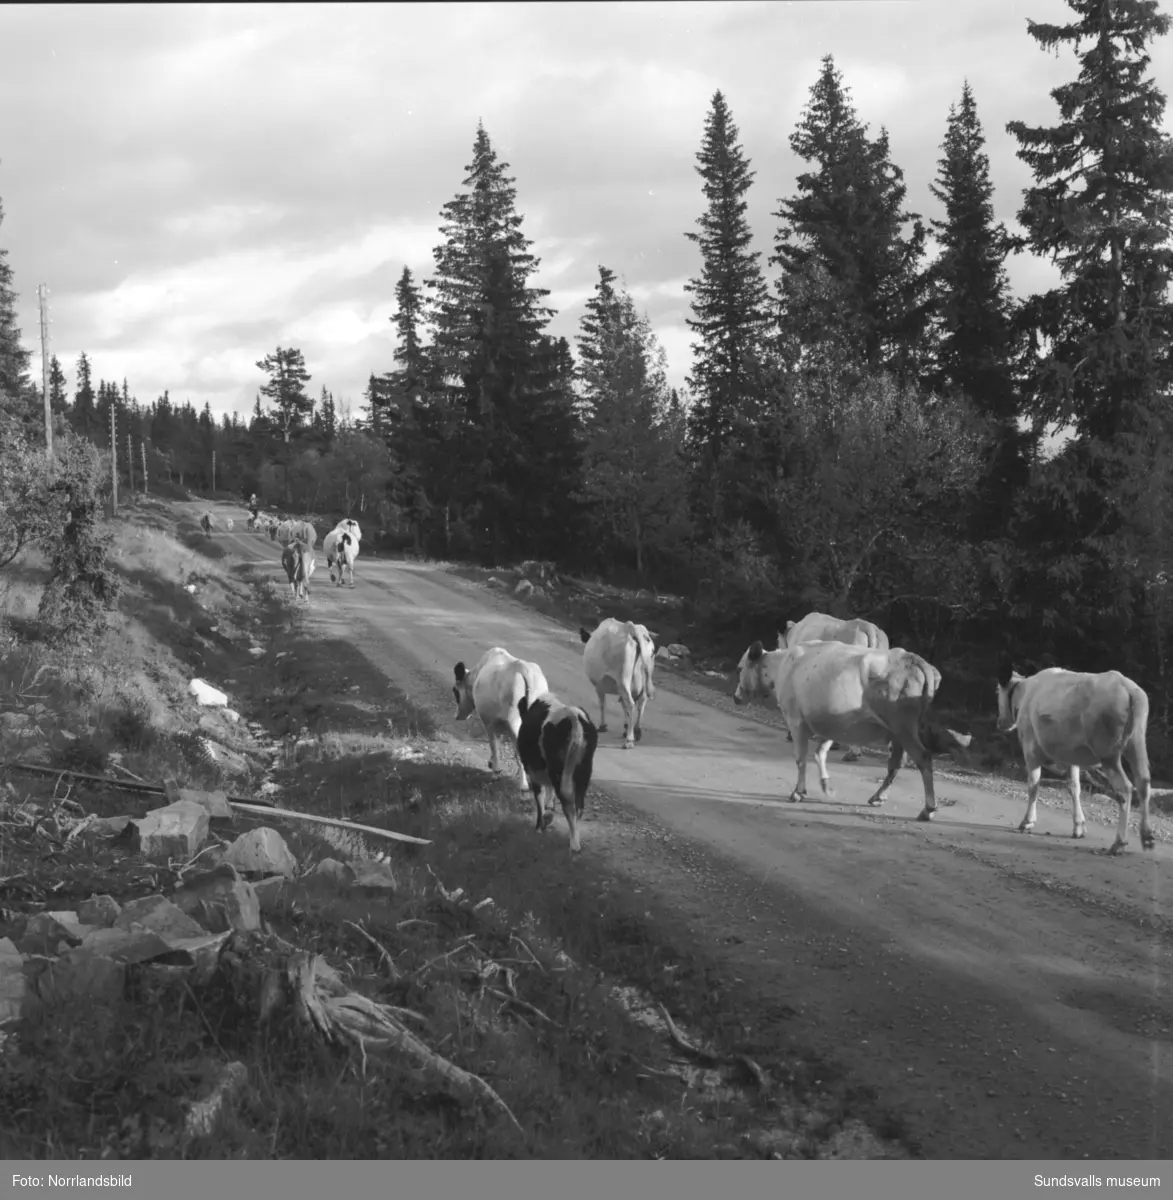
(619, 660)
(829, 691)
(556, 745)
(494, 689)
(1077, 719)
(298, 560)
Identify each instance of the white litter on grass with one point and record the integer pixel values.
(207, 695)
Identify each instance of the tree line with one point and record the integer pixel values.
(864, 425)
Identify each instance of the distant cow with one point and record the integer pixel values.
(228, 524)
(207, 523)
(298, 560)
(285, 533)
(829, 691)
(819, 627)
(493, 689)
(619, 660)
(303, 531)
(272, 527)
(1077, 719)
(349, 525)
(346, 552)
(556, 745)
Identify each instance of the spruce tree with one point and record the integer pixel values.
(83, 415)
(14, 358)
(730, 313)
(1102, 210)
(848, 219)
(286, 389)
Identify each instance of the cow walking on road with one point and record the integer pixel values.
(829, 691)
(494, 690)
(1078, 719)
(206, 524)
(298, 560)
(556, 744)
(619, 660)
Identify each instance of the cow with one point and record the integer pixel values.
(347, 553)
(819, 627)
(298, 560)
(619, 659)
(556, 744)
(285, 533)
(228, 524)
(272, 527)
(303, 531)
(206, 524)
(1079, 719)
(493, 689)
(349, 525)
(829, 691)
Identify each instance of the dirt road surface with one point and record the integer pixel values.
(1009, 996)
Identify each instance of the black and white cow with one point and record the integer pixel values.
(556, 745)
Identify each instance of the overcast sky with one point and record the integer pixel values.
(198, 184)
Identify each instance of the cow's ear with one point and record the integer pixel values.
(789, 626)
(460, 672)
(756, 651)
(582, 633)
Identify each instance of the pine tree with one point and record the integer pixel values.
(83, 414)
(1102, 211)
(730, 307)
(631, 482)
(848, 219)
(57, 397)
(14, 358)
(285, 389)
(486, 353)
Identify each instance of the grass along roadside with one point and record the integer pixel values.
(549, 991)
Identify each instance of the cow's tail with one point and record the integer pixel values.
(645, 656)
(936, 738)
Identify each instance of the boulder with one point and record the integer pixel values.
(14, 988)
(207, 695)
(82, 974)
(261, 852)
(337, 872)
(270, 891)
(101, 911)
(373, 874)
(524, 588)
(176, 831)
(220, 900)
(679, 651)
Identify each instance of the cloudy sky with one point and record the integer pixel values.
(198, 184)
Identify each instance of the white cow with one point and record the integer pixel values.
(556, 745)
(348, 525)
(347, 552)
(493, 689)
(303, 531)
(298, 560)
(285, 533)
(819, 627)
(829, 691)
(1078, 719)
(619, 659)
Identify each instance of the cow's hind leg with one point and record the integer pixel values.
(536, 789)
(1137, 754)
(602, 708)
(570, 808)
(625, 699)
(1034, 771)
(821, 762)
(1077, 821)
(1123, 789)
(801, 746)
(895, 757)
(640, 705)
(494, 757)
(924, 762)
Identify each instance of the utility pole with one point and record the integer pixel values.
(143, 448)
(130, 461)
(42, 293)
(113, 459)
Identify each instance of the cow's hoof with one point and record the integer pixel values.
(875, 801)
(639, 733)
(547, 820)
(925, 814)
(1078, 832)
(1117, 846)
(850, 756)
(1148, 842)
(795, 797)
(1025, 828)
(601, 729)
(628, 744)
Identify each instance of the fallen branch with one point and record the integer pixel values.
(291, 814)
(323, 1000)
(518, 1002)
(708, 1057)
(393, 970)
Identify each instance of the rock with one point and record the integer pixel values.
(161, 916)
(44, 934)
(176, 831)
(13, 983)
(679, 651)
(230, 714)
(337, 872)
(257, 651)
(215, 802)
(126, 944)
(82, 974)
(207, 695)
(524, 588)
(665, 655)
(111, 826)
(261, 852)
(371, 873)
(203, 1114)
(219, 899)
(100, 911)
(227, 760)
(494, 582)
(270, 892)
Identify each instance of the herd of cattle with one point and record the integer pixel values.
(834, 681)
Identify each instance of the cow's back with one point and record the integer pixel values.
(821, 627)
(1105, 709)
